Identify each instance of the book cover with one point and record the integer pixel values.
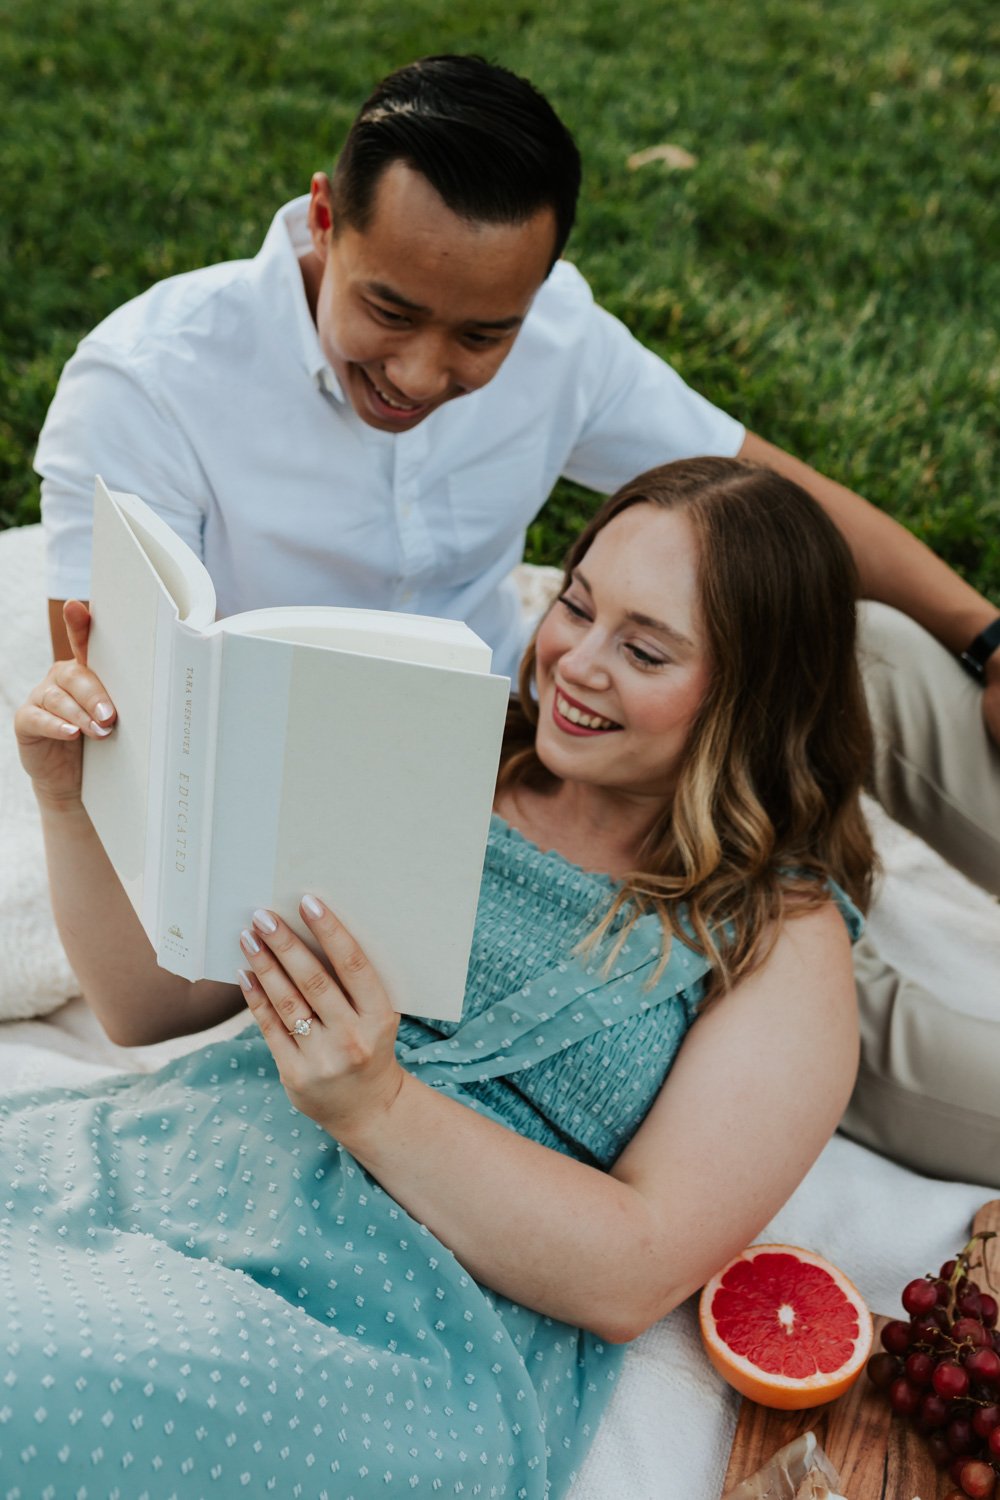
(350, 753)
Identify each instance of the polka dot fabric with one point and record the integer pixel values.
(204, 1294)
(551, 1045)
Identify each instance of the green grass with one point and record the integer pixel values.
(827, 271)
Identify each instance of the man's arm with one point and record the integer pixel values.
(103, 420)
(895, 568)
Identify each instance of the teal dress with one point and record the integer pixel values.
(204, 1294)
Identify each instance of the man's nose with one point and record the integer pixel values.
(421, 371)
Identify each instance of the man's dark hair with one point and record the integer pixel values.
(486, 140)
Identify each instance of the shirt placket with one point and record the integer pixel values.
(416, 548)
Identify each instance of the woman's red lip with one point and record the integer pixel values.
(583, 707)
(567, 726)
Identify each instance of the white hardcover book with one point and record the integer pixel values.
(350, 753)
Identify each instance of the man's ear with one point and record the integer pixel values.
(320, 213)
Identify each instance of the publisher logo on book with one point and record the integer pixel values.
(174, 943)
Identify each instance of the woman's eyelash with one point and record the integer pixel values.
(574, 609)
(639, 656)
(644, 659)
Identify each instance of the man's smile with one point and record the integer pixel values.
(387, 405)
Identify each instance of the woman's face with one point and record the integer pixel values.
(622, 663)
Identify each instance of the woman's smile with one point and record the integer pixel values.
(574, 717)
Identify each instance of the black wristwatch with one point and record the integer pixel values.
(979, 651)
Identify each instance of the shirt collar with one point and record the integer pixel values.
(287, 240)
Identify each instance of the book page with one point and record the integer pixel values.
(183, 575)
(372, 632)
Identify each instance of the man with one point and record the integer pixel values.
(373, 409)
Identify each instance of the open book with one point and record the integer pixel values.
(345, 752)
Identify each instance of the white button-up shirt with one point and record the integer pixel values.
(210, 397)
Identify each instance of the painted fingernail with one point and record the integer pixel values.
(99, 729)
(311, 906)
(70, 729)
(264, 922)
(246, 981)
(248, 942)
(104, 710)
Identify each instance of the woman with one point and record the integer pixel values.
(350, 1254)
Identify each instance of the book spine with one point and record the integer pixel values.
(250, 756)
(189, 794)
(156, 749)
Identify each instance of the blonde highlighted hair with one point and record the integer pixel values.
(767, 801)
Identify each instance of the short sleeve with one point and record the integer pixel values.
(104, 419)
(641, 413)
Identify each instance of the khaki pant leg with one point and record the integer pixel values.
(936, 769)
(928, 1088)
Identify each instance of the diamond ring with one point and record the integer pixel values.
(303, 1026)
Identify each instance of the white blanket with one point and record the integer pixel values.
(668, 1432)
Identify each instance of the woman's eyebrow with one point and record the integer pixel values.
(661, 625)
(638, 618)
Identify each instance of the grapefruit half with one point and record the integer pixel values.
(785, 1327)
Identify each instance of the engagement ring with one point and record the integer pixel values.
(303, 1026)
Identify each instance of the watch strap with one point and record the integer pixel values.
(978, 651)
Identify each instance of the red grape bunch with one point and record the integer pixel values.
(941, 1370)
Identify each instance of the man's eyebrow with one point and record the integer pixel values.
(640, 619)
(388, 294)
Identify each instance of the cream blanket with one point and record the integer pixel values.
(670, 1426)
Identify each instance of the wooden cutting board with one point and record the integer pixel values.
(878, 1456)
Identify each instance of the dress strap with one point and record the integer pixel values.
(562, 1006)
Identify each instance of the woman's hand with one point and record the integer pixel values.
(67, 704)
(340, 1066)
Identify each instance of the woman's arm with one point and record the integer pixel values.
(136, 1001)
(756, 1091)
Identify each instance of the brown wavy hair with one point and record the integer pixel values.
(767, 802)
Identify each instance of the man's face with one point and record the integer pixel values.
(422, 306)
